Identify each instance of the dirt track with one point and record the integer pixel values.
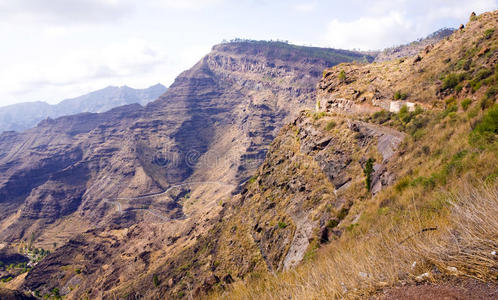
(455, 289)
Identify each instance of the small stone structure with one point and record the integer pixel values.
(396, 106)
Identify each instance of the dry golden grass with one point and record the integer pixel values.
(380, 251)
(468, 244)
(353, 268)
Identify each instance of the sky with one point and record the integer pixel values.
(51, 50)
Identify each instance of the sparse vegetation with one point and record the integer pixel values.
(400, 96)
(452, 80)
(155, 279)
(489, 33)
(319, 115)
(368, 170)
(486, 130)
(466, 103)
(330, 125)
(342, 76)
(282, 224)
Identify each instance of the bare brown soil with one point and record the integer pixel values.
(455, 289)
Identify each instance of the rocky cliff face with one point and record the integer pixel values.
(22, 116)
(146, 182)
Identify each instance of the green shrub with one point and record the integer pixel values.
(282, 224)
(455, 164)
(330, 125)
(55, 292)
(489, 33)
(466, 103)
(426, 150)
(491, 92)
(476, 85)
(427, 183)
(452, 80)
(463, 64)
(486, 130)
(483, 74)
(400, 96)
(155, 279)
(368, 172)
(486, 102)
(402, 184)
(404, 114)
(332, 223)
(450, 109)
(418, 134)
(342, 76)
(343, 213)
(319, 115)
(381, 116)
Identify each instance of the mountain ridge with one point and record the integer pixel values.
(22, 116)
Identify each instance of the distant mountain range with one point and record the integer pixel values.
(19, 117)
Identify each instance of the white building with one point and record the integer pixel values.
(396, 106)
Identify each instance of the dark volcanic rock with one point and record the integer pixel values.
(6, 294)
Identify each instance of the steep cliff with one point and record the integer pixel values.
(135, 178)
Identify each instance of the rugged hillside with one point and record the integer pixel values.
(19, 117)
(146, 182)
(359, 189)
(391, 182)
(371, 190)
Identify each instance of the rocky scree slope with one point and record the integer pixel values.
(19, 117)
(145, 181)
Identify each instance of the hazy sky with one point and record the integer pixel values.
(56, 49)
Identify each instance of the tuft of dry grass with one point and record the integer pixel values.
(351, 268)
(468, 244)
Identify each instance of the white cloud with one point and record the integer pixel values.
(187, 4)
(304, 7)
(66, 11)
(459, 9)
(370, 32)
(116, 63)
(386, 23)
